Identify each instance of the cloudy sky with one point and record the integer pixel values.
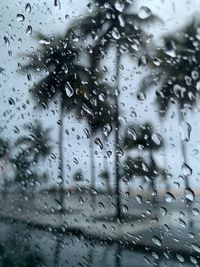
(16, 38)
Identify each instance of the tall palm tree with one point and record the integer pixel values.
(64, 81)
(142, 137)
(101, 115)
(177, 74)
(113, 25)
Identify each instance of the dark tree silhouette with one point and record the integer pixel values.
(176, 75)
(113, 25)
(63, 81)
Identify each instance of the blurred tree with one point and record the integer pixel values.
(38, 142)
(64, 80)
(111, 24)
(142, 137)
(32, 148)
(175, 70)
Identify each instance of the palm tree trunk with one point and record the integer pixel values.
(183, 147)
(153, 184)
(105, 166)
(165, 161)
(92, 167)
(61, 167)
(117, 175)
(184, 154)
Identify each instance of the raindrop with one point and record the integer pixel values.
(29, 30)
(198, 86)
(107, 128)
(69, 90)
(57, 3)
(115, 34)
(187, 171)
(121, 20)
(87, 133)
(101, 205)
(132, 133)
(180, 258)
(28, 8)
(20, 17)
(125, 208)
(139, 199)
(169, 197)
(189, 194)
(11, 101)
(119, 6)
(141, 96)
(195, 75)
(6, 40)
(196, 247)
(163, 211)
(156, 138)
(157, 241)
(98, 142)
(144, 12)
(193, 260)
(185, 131)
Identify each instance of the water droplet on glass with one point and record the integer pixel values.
(169, 197)
(11, 101)
(139, 199)
(28, 8)
(87, 133)
(69, 90)
(98, 142)
(144, 12)
(198, 86)
(180, 258)
(119, 6)
(189, 194)
(20, 17)
(185, 131)
(196, 247)
(157, 241)
(132, 133)
(107, 128)
(115, 34)
(6, 40)
(156, 138)
(141, 96)
(29, 30)
(187, 171)
(125, 208)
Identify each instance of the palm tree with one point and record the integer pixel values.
(177, 75)
(113, 24)
(142, 137)
(102, 115)
(64, 80)
(37, 143)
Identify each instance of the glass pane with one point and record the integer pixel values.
(99, 133)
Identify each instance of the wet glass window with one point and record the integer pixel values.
(99, 133)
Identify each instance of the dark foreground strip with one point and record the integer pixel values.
(98, 239)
